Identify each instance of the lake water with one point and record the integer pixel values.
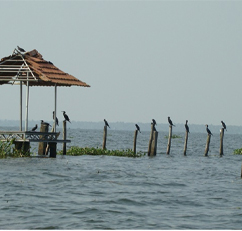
(105, 192)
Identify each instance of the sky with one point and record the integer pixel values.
(143, 59)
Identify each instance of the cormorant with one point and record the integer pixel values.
(21, 49)
(66, 116)
(186, 126)
(138, 128)
(42, 121)
(106, 123)
(224, 125)
(154, 122)
(208, 131)
(56, 119)
(34, 128)
(170, 122)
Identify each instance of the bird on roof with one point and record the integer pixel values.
(66, 116)
(42, 121)
(224, 125)
(186, 126)
(34, 128)
(106, 123)
(50, 62)
(21, 49)
(56, 119)
(208, 131)
(138, 128)
(170, 122)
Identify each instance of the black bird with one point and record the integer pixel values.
(154, 122)
(34, 128)
(56, 119)
(21, 49)
(224, 125)
(42, 121)
(66, 116)
(50, 62)
(106, 123)
(186, 126)
(138, 128)
(208, 131)
(170, 122)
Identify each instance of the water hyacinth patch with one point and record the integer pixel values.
(78, 151)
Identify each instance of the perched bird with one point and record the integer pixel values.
(154, 122)
(50, 62)
(42, 121)
(21, 49)
(186, 126)
(208, 131)
(106, 123)
(56, 119)
(170, 122)
(34, 128)
(224, 125)
(138, 128)
(66, 116)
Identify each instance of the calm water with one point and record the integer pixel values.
(101, 192)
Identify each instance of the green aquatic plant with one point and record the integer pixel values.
(78, 151)
(7, 149)
(238, 151)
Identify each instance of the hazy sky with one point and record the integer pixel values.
(143, 59)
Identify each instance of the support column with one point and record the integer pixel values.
(21, 103)
(27, 104)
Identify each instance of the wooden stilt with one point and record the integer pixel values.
(104, 136)
(169, 140)
(185, 145)
(151, 138)
(64, 137)
(42, 145)
(207, 145)
(52, 149)
(154, 144)
(221, 150)
(135, 139)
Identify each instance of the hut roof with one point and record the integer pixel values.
(31, 67)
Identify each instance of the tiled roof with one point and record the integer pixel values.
(45, 72)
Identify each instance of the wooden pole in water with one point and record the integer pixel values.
(185, 145)
(135, 139)
(221, 150)
(42, 145)
(104, 136)
(151, 138)
(169, 140)
(207, 145)
(154, 144)
(64, 137)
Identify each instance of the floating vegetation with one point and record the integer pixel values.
(238, 151)
(78, 151)
(7, 149)
(173, 137)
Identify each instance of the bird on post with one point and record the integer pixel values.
(208, 131)
(21, 49)
(66, 116)
(170, 122)
(42, 121)
(106, 123)
(56, 119)
(34, 128)
(186, 126)
(154, 122)
(224, 125)
(138, 128)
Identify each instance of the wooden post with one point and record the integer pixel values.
(42, 145)
(135, 139)
(207, 145)
(104, 136)
(169, 140)
(52, 149)
(64, 137)
(185, 145)
(151, 138)
(22, 146)
(221, 150)
(154, 144)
